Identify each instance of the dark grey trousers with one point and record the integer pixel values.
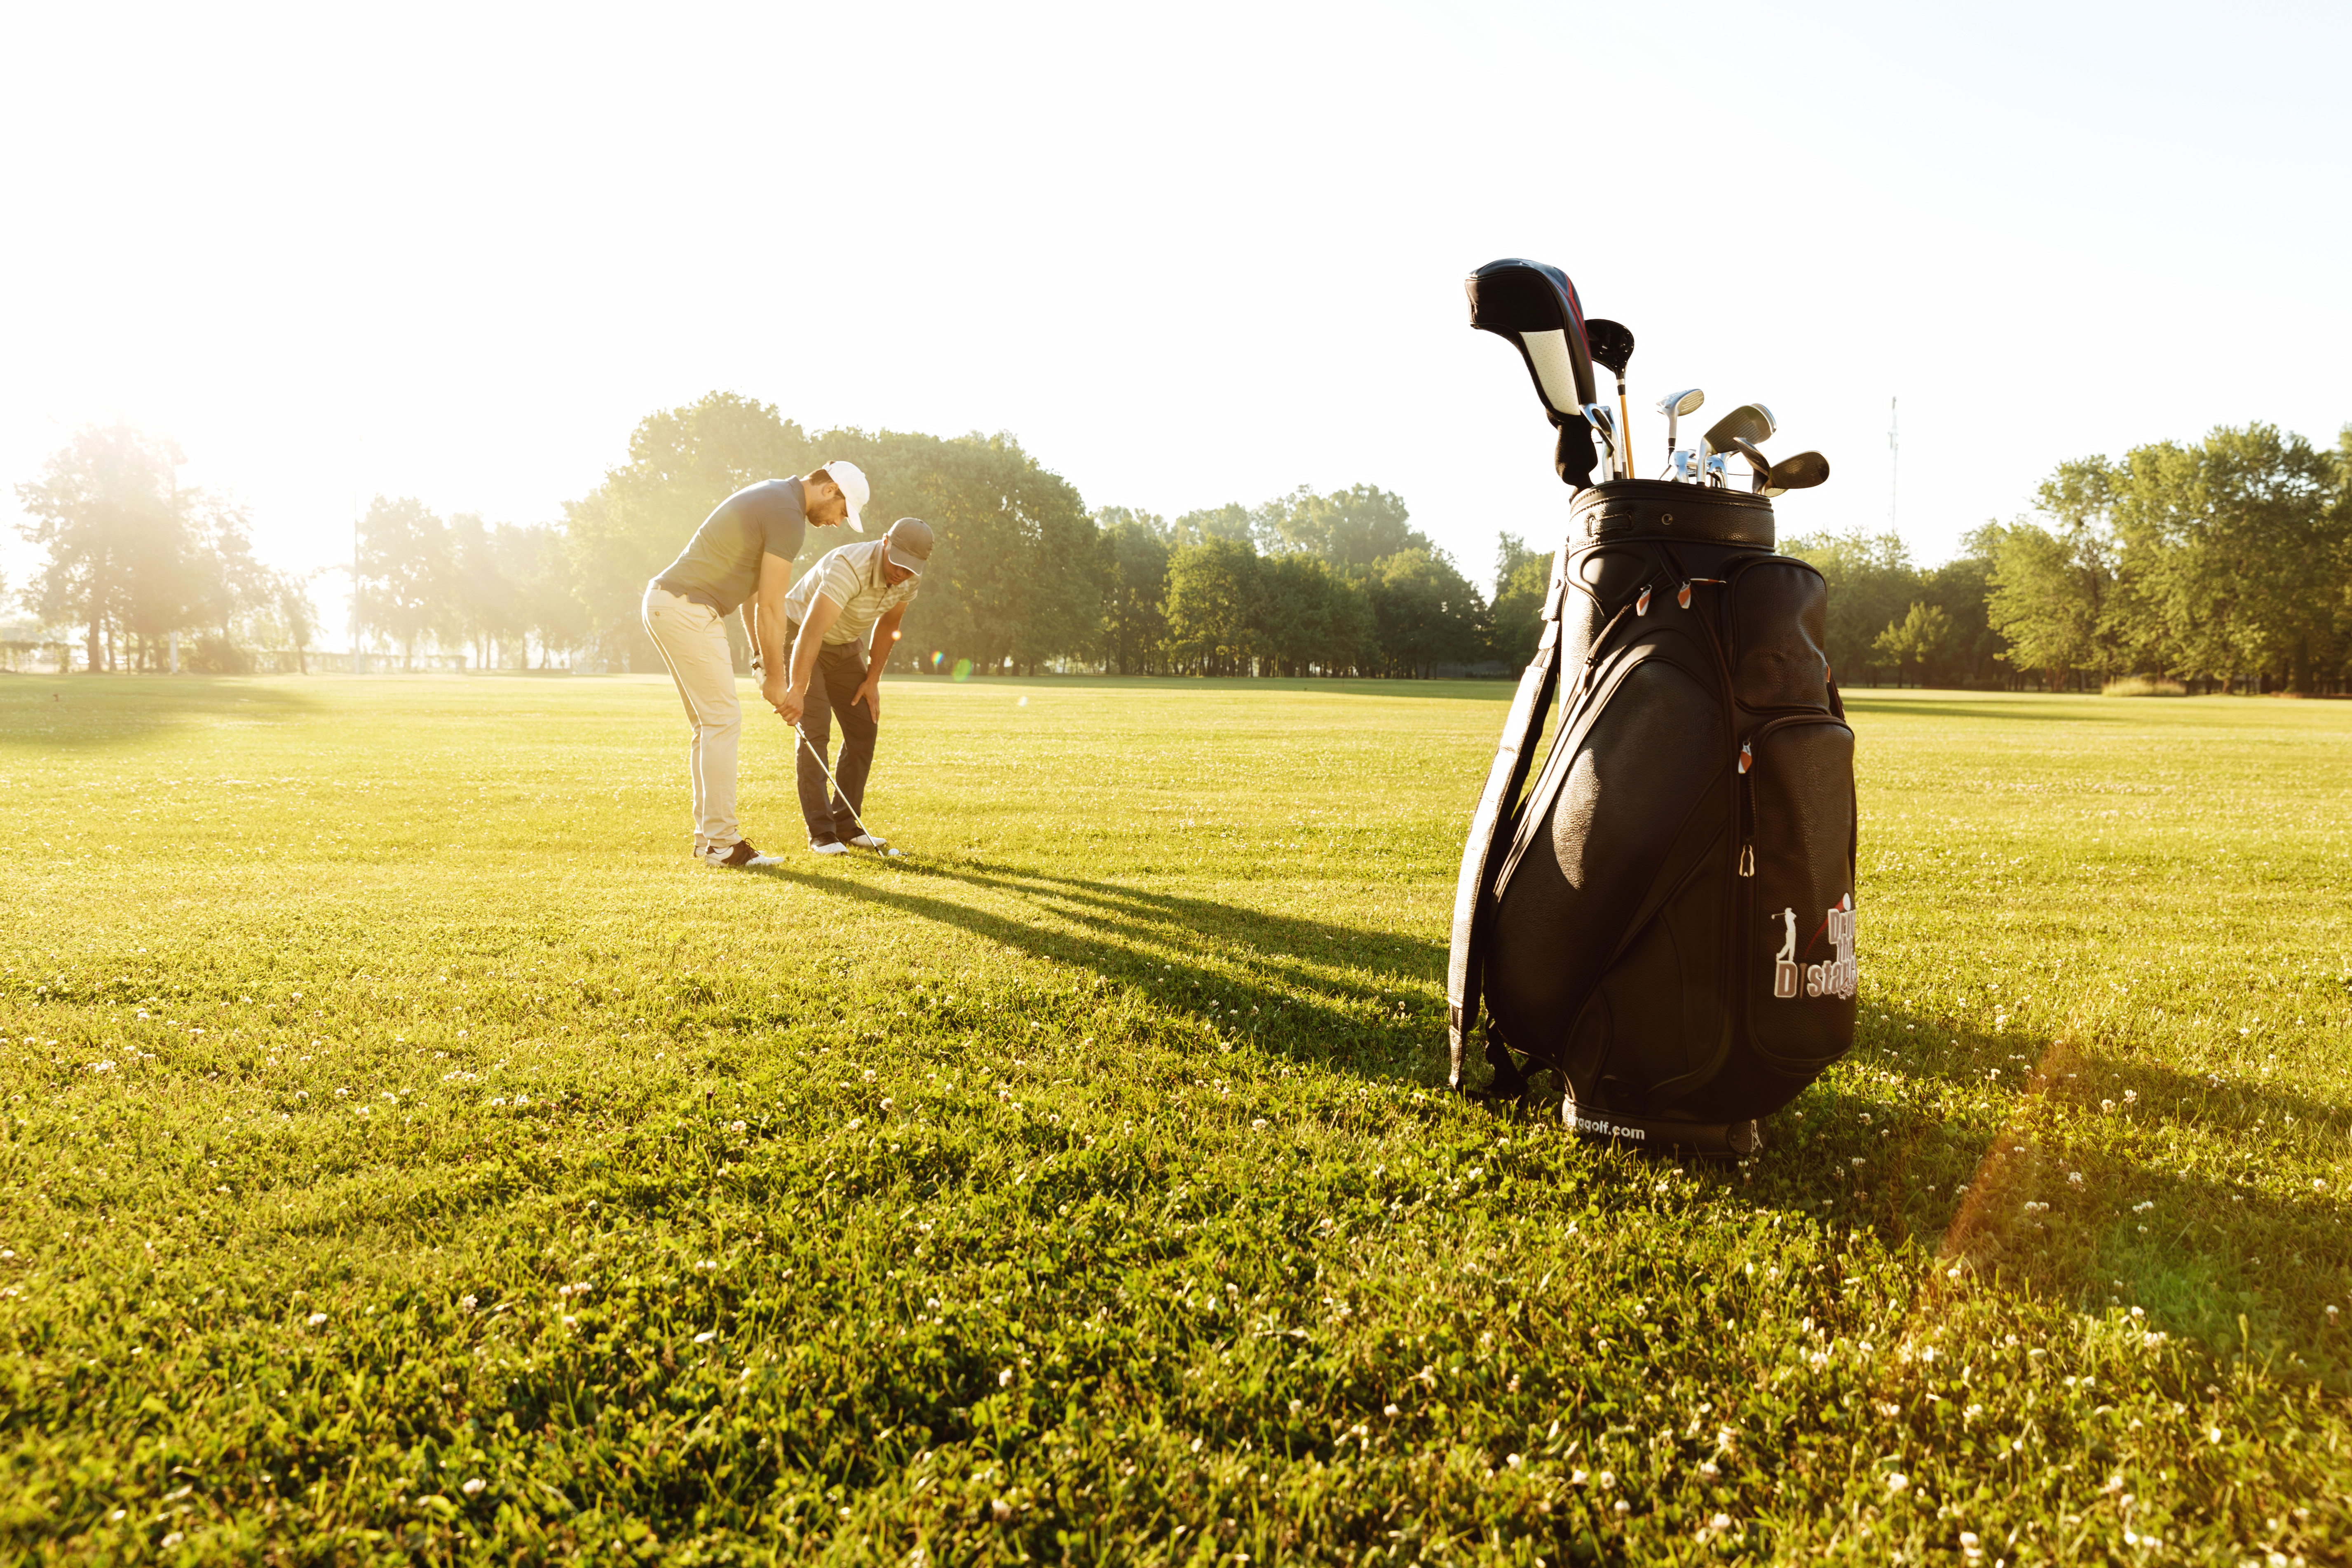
(840, 671)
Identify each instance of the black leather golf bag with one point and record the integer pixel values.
(1665, 919)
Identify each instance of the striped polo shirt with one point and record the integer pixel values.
(850, 576)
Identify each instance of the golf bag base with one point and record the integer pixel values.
(1634, 923)
(1738, 1139)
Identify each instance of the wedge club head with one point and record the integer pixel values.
(1757, 463)
(1748, 422)
(1801, 472)
(1673, 405)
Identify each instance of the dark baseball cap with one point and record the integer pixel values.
(909, 539)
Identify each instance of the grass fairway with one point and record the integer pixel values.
(408, 1153)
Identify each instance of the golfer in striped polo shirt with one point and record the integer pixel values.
(843, 616)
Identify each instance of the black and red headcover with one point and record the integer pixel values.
(1534, 306)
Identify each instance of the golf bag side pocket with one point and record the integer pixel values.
(1796, 965)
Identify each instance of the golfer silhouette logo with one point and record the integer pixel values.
(1785, 974)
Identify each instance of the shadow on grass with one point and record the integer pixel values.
(1284, 959)
(83, 712)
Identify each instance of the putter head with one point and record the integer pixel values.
(1612, 344)
(1536, 307)
(1674, 404)
(1749, 421)
(1801, 472)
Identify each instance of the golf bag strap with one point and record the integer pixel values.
(1466, 960)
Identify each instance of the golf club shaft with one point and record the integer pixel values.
(1625, 433)
(839, 792)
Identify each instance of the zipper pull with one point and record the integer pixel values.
(1642, 605)
(1747, 757)
(1682, 597)
(1747, 859)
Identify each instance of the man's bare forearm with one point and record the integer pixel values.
(822, 613)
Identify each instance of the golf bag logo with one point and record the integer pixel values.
(1836, 975)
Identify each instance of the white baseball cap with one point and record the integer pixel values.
(854, 488)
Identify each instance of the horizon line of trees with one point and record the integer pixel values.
(2226, 564)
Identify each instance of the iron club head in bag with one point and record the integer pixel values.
(1757, 463)
(1801, 472)
(1748, 422)
(1613, 350)
(1673, 405)
(1597, 415)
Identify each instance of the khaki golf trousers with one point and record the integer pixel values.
(693, 642)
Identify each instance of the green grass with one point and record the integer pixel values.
(486, 1181)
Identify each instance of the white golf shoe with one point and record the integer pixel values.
(830, 846)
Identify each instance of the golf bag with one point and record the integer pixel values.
(1667, 918)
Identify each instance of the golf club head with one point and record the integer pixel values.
(1757, 461)
(1612, 344)
(1801, 472)
(1604, 424)
(1749, 421)
(1535, 307)
(1673, 405)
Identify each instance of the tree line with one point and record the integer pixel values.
(2225, 565)
(133, 558)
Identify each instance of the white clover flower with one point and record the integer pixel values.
(317, 1317)
(739, 1126)
(706, 1336)
(1897, 1482)
(2074, 1178)
(1605, 1479)
(466, 1303)
(101, 1066)
(473, 1486)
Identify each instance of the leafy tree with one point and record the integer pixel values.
(1351, 529)
(2226, 549)
(1214, 603)
(1920, 640)
(2048, 591)
(1298, 595)
(1425, 613)
(1230, 523)
(407, 574)
(1518, 615)
(532, 560)
(110, 514)
(1134, 549)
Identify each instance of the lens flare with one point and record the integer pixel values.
(962, 670)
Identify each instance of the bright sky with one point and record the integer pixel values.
(1187, 254)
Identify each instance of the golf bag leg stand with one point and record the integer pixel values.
(1490, 835)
